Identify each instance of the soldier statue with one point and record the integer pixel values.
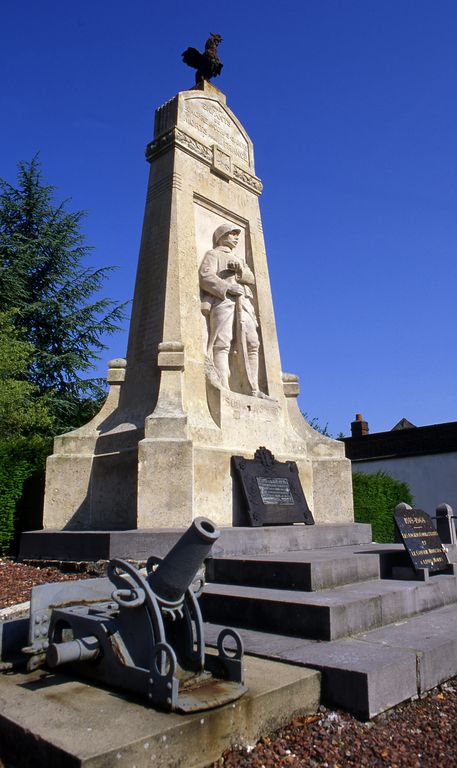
(227, 300)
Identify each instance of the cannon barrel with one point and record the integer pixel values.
(177, 570)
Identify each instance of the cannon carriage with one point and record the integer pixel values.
(141, 630)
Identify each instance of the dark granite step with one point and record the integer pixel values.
(373, 671)
(328, 614)
(308, 571)
(141, 543)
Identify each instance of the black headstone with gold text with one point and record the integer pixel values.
(421, 540)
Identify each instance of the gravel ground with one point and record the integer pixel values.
(417, 734)
(17, 580)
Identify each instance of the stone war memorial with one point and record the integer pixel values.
(260, 597)
(202, 380)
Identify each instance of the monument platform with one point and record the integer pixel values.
(48, 719)
(139, 544)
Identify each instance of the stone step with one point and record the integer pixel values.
(52, 720)
(372, 671)
(309, 570)
(329, 614)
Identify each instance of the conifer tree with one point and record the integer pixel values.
(44, 280)
(22, 411)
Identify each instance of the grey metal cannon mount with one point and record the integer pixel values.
(145, 636)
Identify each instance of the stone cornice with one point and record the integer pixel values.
(248, 180)
(178, 138)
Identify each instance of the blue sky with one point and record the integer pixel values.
(352, 108)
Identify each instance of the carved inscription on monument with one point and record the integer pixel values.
(421, 540)
(271, 489)
(215, 126)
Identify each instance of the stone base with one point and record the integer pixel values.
(111, 475)
(90, 546)
(49, 719)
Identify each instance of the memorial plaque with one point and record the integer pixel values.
(421, 540)
(271, 490)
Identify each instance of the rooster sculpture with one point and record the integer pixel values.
(207, 64)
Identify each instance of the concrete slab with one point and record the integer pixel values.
(48, 719)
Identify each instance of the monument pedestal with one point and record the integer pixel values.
(53, 545)
(159, 453)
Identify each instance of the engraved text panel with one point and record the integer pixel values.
(213, 124)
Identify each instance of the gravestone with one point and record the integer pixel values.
(272, 490)
(421, 540)
(202, 380)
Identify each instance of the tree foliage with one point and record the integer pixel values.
(375, 498)
(22, 410)
(44, 280)
(51, 332)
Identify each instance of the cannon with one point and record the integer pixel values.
(146, 634)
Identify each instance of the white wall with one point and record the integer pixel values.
(432, 479)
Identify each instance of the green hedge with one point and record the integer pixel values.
(21, 459)
(375, 498)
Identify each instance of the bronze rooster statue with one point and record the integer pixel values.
(207, 64)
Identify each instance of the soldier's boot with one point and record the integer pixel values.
(253, 360)
(221, 363)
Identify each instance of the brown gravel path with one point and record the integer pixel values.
(418, 734)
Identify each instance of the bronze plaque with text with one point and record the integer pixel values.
(271, 490)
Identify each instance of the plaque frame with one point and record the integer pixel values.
(265, 467)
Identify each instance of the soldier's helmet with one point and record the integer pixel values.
(222, 230)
